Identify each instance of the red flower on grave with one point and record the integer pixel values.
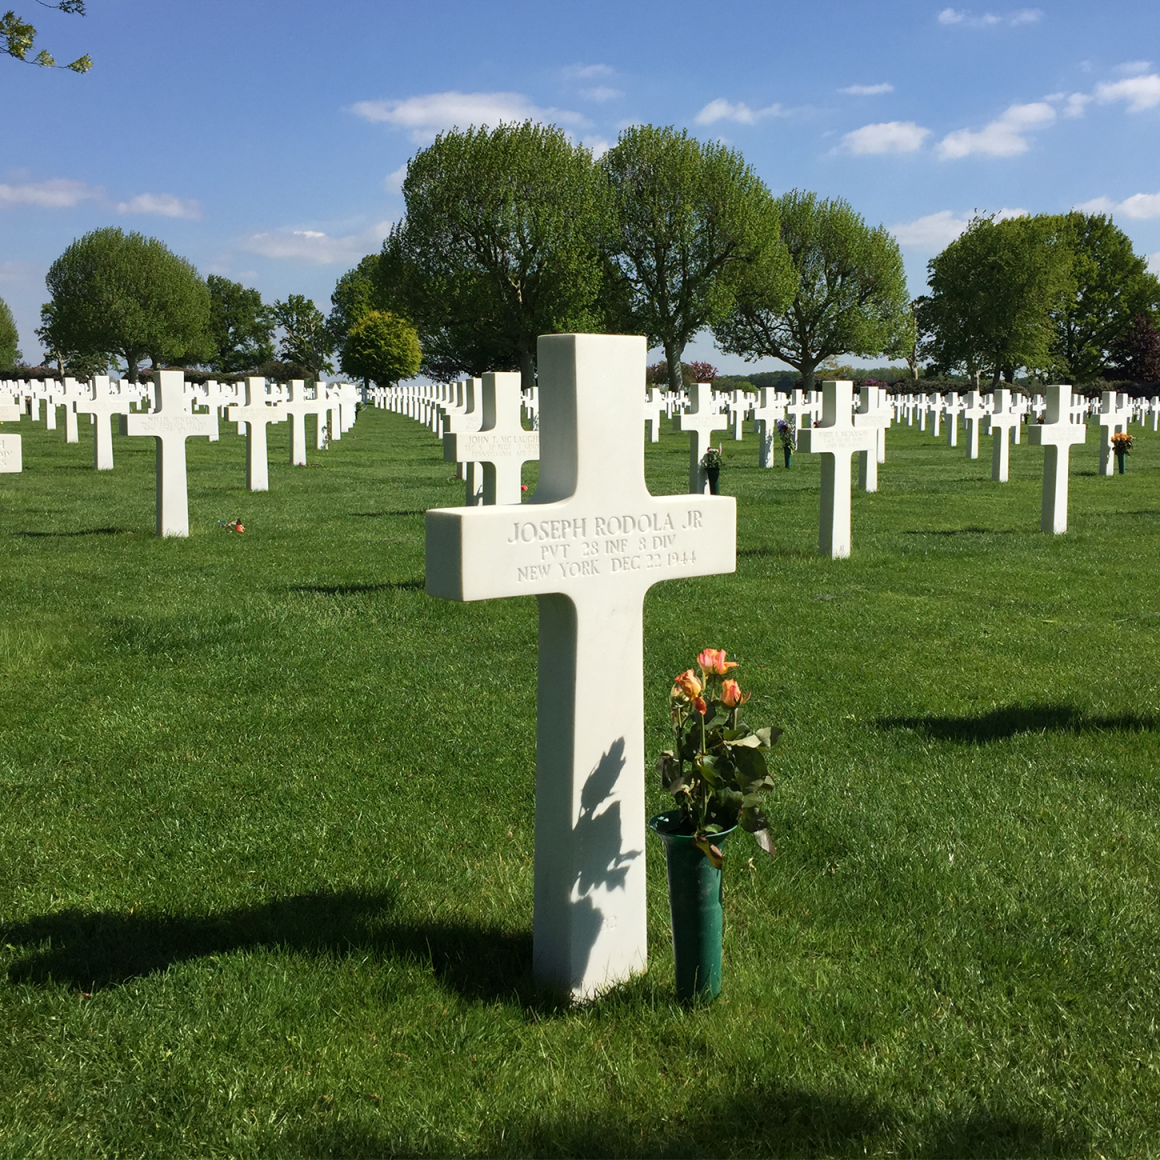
(687, 685)
(712, 660)
(731, 694)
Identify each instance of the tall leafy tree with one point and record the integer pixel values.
(306, 339)
(128, 295)
(1111, 286)
(1137, 352)
(994, 292)
(17, 38)
(241, 327)
(850, 298)
(500, 244)
(692, 224)
(9, 337)
(381, 347)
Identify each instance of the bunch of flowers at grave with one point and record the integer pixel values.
(787, 433)
(711, 458)
(1122, 443)
(717, 771)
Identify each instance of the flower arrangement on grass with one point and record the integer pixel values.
(717, 771)
(711, 458)
(1122, 443)
(787, 433)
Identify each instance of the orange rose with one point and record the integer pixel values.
(731, 694)
(712, 660)
(700, 706)
(688, 684)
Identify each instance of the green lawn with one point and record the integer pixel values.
(266, 822)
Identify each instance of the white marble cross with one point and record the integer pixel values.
(654, 408)
(73, 392)
(874, 411)
(171, 423)
(738, 404)
(951, 409)
(1002, 420)
(501, 444)
(1057, 434)
(700, 421)
(298, 406)
(11, 451)
(767, 410)
(257, 414)
(1113, 417)
(102, 406)
(839, 436)
(934, 413)
(590, 544)
(973, 412)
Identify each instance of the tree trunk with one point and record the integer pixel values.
(673, 353)
(527, 371)
(807, 371)
(995, 378)
(131, 358)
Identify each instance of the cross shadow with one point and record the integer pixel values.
(357, 589)
(766, 1118)
(84, 532)
(88, 951)
(968, 531)
(774, 553)
(377, 515)
(1007, 721)
(599, 840)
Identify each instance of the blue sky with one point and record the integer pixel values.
(265, 140)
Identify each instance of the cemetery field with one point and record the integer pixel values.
(266, 822)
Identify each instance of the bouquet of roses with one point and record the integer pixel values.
(717, 772)
(787, 433)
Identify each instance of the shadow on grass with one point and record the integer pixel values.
(999, 724)
(969, 531)
(89, 950)
(775, 554)
(768, 1120)
(377, 515)
(84, 532)
(358, 589)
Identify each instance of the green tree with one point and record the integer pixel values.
(850, 299)
(9, 337)
(306, 339)
(1111, 286)
(241, 327)
(355, 295)
(128, 295)
(692, 225)
(993, 293)
(381, 347)
(17, 37)
(500, 244)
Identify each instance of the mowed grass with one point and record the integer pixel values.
(266, 822)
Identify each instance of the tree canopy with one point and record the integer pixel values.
(500, 244)
(306, 341)
(850, 298)
(381, 347)
(17, 38)
(241, 327)
(128, 295)
(993, 292)
(1111, 286)
(9, 337)
(691, 223)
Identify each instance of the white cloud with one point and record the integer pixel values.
(1003, 137)
(867, 90)
(723, 110)
(57, 193)
(587, 72)
(936, 230)
(1138, 207)
(1140, 92)
(1076, 103)
(316, 246)
(427, 116)
(602, 93)
(393, 182)
(964, 17)
(160, 205)
(887, 137)
(1154, 262)
(1131, 68)
(597, 145)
